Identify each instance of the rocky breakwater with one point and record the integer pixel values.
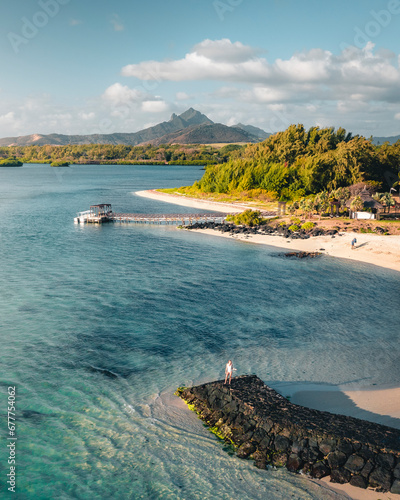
(265, 426)
(282, 230)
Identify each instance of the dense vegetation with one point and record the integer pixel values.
(59, 164)
(10, 162)
(248, 217)
(120, 154)
(296, 163)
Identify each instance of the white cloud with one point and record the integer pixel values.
(7, 118)
(182, 96)
(358, 89)
(154, 106)
(87, 116)
(118, 94)
(117, 23)
(314, 74)
(225, 51)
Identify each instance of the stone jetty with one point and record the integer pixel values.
(264, 426)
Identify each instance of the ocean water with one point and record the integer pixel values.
(100, 325)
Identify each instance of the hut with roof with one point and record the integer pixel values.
(372, 208)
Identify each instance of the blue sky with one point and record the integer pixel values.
(99, 66)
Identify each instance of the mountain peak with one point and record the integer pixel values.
(194, 117)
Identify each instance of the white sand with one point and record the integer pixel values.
(373, 249)
(376, 404)
(359, 493)
(380, 404)
(185, 201)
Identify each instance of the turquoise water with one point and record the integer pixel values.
(100, 324)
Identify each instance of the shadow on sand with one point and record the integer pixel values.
(325, 397)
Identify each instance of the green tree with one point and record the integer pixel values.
(357, 205)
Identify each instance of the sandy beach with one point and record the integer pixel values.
(178, 199)
(383, 251)
(376, 404)
(372, 249)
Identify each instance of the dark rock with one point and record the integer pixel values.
(302, 255)
(249, 425)
(294, 463)
(311, 455)
(243, 438)
(395, 489)
(246, 449)
(355, 463)
(380, 478)
(320, 470)
(386, 461)
(281, 443)
(367, 469)
(230, 409)
(327, 446)
(267, 427)
(313, 443)
(279, 459)
(264, 443)
(345, 447)
(359, 481)
(366, 453)
(259, 435)
(340, 476)
(299, 446)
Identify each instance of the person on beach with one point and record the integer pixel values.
(228, 371)
(353, 242)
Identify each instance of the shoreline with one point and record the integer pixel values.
(382, 404)
(377, 250)
(381, 251)
(379, 404)
(206, 400)
(177, 199)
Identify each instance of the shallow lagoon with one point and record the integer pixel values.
(99, 325)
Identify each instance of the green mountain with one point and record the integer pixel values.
(190, 119)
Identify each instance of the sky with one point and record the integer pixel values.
(86, 67)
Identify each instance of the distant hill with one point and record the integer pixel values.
(178, 129)
(381, 140)
(205, 134)
(254, 131)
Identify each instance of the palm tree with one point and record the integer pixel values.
(388, 200)
(357, 204)
(321, 203)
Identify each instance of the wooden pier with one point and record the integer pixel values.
(99, 214)
(184, 219)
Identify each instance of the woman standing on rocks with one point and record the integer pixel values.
(228, 371)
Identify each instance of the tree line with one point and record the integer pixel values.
(296, 163)
(109, 153)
